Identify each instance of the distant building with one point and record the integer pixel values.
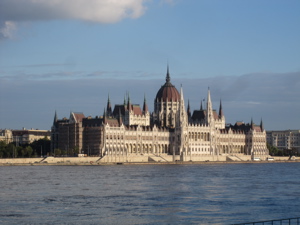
(21, 137)
(284, 139)
(171, 132)
(6, 136)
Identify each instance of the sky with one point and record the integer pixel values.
(69, 55)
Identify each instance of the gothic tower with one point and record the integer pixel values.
(166, 104)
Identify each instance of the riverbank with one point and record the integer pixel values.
(96, 161)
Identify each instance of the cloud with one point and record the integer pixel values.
(7, 29)
(32, 102)
(98, 11)
(71, 75)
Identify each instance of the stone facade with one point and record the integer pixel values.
(6, 136)
(284, 139)
(171, 132)
(21, 137)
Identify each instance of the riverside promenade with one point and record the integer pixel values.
(94, 161)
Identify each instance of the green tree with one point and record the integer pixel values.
(76, 150)
(21, 151)
(280, 153)
(272, 150)
(29, 151)
(63, 152)
(11, 151)
(57, 152)
(2, 148)
(42, 146)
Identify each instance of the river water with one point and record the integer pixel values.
(149, 194)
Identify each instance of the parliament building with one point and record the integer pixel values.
(128, 132)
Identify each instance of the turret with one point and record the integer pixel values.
(125, 101)
(221, 114)
(108, 108)
(261, 125)
(55, 118)
(120, 117)
(189, 110)
(209, 110)
(168, 79)
(145, 106)
(104, 116)
(128, 104)
(182, 112)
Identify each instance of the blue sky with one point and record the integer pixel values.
(68, 55)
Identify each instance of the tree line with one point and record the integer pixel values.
(37, 148)
(274, 151)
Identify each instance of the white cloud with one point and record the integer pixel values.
(7, 29)
(98, 11)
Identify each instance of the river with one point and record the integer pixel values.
(149, 194)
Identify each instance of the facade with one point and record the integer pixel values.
(6, 136)
(284, 139)
(21, 137)
(24, 136)
(172, 132)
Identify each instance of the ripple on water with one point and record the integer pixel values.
(149, 194)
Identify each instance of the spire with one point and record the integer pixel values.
(124, 101)
(55, 118)
(201, 108)
(168, 79)
(182, 113)
(104, 113)
(261, 125)
(209, 110)
(221, 110)
(189, 109)
(145, 106)
(128, 103)
(108, 108)
(120, 117)
(252, 124)
(104, 116)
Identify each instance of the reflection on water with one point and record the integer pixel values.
(149, 194)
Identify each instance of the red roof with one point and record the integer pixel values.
(112, 122)
(167, 92)
(78, 117)
(136, 110)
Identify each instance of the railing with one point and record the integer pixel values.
(290, 221)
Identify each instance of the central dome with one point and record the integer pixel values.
(167, 92)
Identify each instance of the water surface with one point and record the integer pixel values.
(149, 194)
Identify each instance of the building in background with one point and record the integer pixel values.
(284, 139)
(6, 136)
(171, 132)
(23, 137)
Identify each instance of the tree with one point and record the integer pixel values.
(2, 148)
(280, 153)
(21, 151)
(63, 152)
(11, 151)
(76, 150)
(57, 152)
(29, 151)
(42, 146)
(272, 150)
